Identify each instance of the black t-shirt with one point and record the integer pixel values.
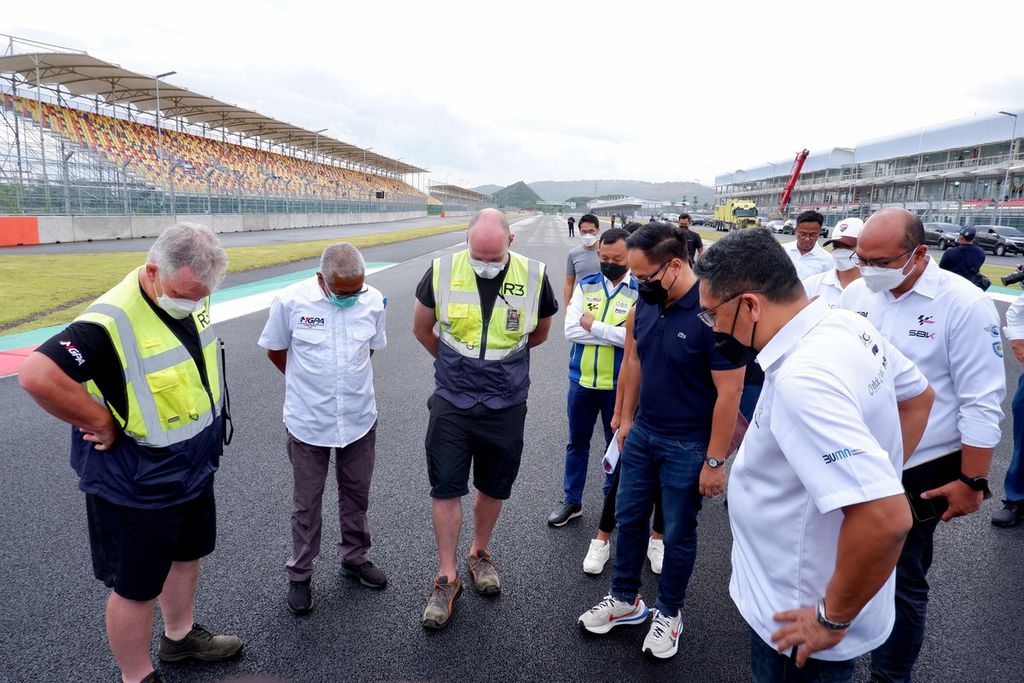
(693, 243)
(571, 220)
(489, 293)
(84, 351)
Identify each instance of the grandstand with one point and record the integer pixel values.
(83, 136)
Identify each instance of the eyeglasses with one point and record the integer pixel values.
(879, 262)
(346, 295)
(708, 317)
(644, 280)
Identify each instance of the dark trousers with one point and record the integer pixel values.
(1013, 485)
(894, 660)
(611, 489)
(585, 405)
(353, 469)
(768, 666)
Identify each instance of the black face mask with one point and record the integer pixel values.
(613, 271)
(653, 292)
(731, 349)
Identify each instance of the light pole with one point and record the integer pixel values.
(775, 172)
(316, 143)
(1009, 162)
(959, 202)
(159, 140)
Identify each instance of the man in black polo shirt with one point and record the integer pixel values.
(679, 403)
(966, 258)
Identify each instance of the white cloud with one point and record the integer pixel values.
(543, 90)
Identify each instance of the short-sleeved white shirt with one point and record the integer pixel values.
(825, 434)
(950, 329)
(825, 285)
(329, 398)
(817, 260)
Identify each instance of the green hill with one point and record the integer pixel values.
(517, 195)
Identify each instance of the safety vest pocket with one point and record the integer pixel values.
(173, 403)
(162, 472)
(458, 311)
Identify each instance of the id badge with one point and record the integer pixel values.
(512, 320)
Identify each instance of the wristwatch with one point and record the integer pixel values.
(824, 621)
(714, 463)
(978, 484)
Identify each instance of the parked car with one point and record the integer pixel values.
(1000, 239)
(941, 235)
(789, 227)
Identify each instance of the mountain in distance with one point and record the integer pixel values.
(517, 194)
(487, 189)
(559, 190)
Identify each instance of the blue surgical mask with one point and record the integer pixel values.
(343, 301)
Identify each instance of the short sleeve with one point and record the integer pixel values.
(548, 303)
(425, 288)
(698, 243)
(570, 267)
(839, 462)
(83, 351)
(908, 379)
(277, 333)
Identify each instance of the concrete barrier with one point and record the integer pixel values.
(53, 229)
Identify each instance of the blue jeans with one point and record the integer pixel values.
(1013, 485)
(768, 666)
(893, 660)
(645, 459)
(584, 406)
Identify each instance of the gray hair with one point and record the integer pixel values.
(342, 260)
(193, 246)
(748, 260)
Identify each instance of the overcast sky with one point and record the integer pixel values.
(524, 90)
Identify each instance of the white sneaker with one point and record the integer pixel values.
(597, 556)
(662, 640)
(609, 613)
(656, 554)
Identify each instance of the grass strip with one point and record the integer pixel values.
(38, 290)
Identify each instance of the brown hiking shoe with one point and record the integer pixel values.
(200, 644)
(441, 603)
(484, 573)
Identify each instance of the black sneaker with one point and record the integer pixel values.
(153, 677)
(199, 644)
(300, 596)
(366, 574)
(1012, 514)
(562, 515)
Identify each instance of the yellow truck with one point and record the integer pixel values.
(738, 213)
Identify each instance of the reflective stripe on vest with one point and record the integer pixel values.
(167, 402)
(596, 366)
(460, 316)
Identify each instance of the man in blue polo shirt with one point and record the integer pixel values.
(679, 403)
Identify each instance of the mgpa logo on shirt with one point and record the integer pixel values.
(311, 322)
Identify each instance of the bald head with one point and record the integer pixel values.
(893, 229)
(489, 236)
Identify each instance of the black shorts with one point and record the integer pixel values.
(133, 548)
(491, 440)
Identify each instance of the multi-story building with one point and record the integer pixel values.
(969, 171)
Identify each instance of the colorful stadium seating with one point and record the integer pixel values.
(229, 165)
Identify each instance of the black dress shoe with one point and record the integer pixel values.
(563, 514)
(300, 597)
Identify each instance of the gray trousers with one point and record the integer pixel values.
(353, 468)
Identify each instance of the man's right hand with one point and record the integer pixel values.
(623, 431)
(103, 436)
(1018, 349)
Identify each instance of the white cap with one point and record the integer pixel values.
(848, 227)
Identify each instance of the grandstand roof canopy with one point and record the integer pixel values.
(456, 191)
(84, 75)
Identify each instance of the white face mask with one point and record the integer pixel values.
(588, 239)
(178, 309)
(843, 259)
(883, 279)
(486, 269)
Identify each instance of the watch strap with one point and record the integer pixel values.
(826, 622)
(977, 484)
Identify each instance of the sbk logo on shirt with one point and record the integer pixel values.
(920, 334)
(310, 321)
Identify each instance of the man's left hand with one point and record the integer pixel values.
(712, 481)
(962, 499)
(803, 632)
(587, 321)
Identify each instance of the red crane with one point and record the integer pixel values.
(798, 164)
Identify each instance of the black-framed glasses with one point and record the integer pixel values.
(708, 317)
(346, 295)
(881, 262)
(650, 277)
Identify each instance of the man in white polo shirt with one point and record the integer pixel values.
(830, 284)
(950, 329)
(805, 252)
(816, 506)
(321, 333)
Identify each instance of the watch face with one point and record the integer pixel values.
(713, 462)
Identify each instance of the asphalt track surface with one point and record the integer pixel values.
(51, 609)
